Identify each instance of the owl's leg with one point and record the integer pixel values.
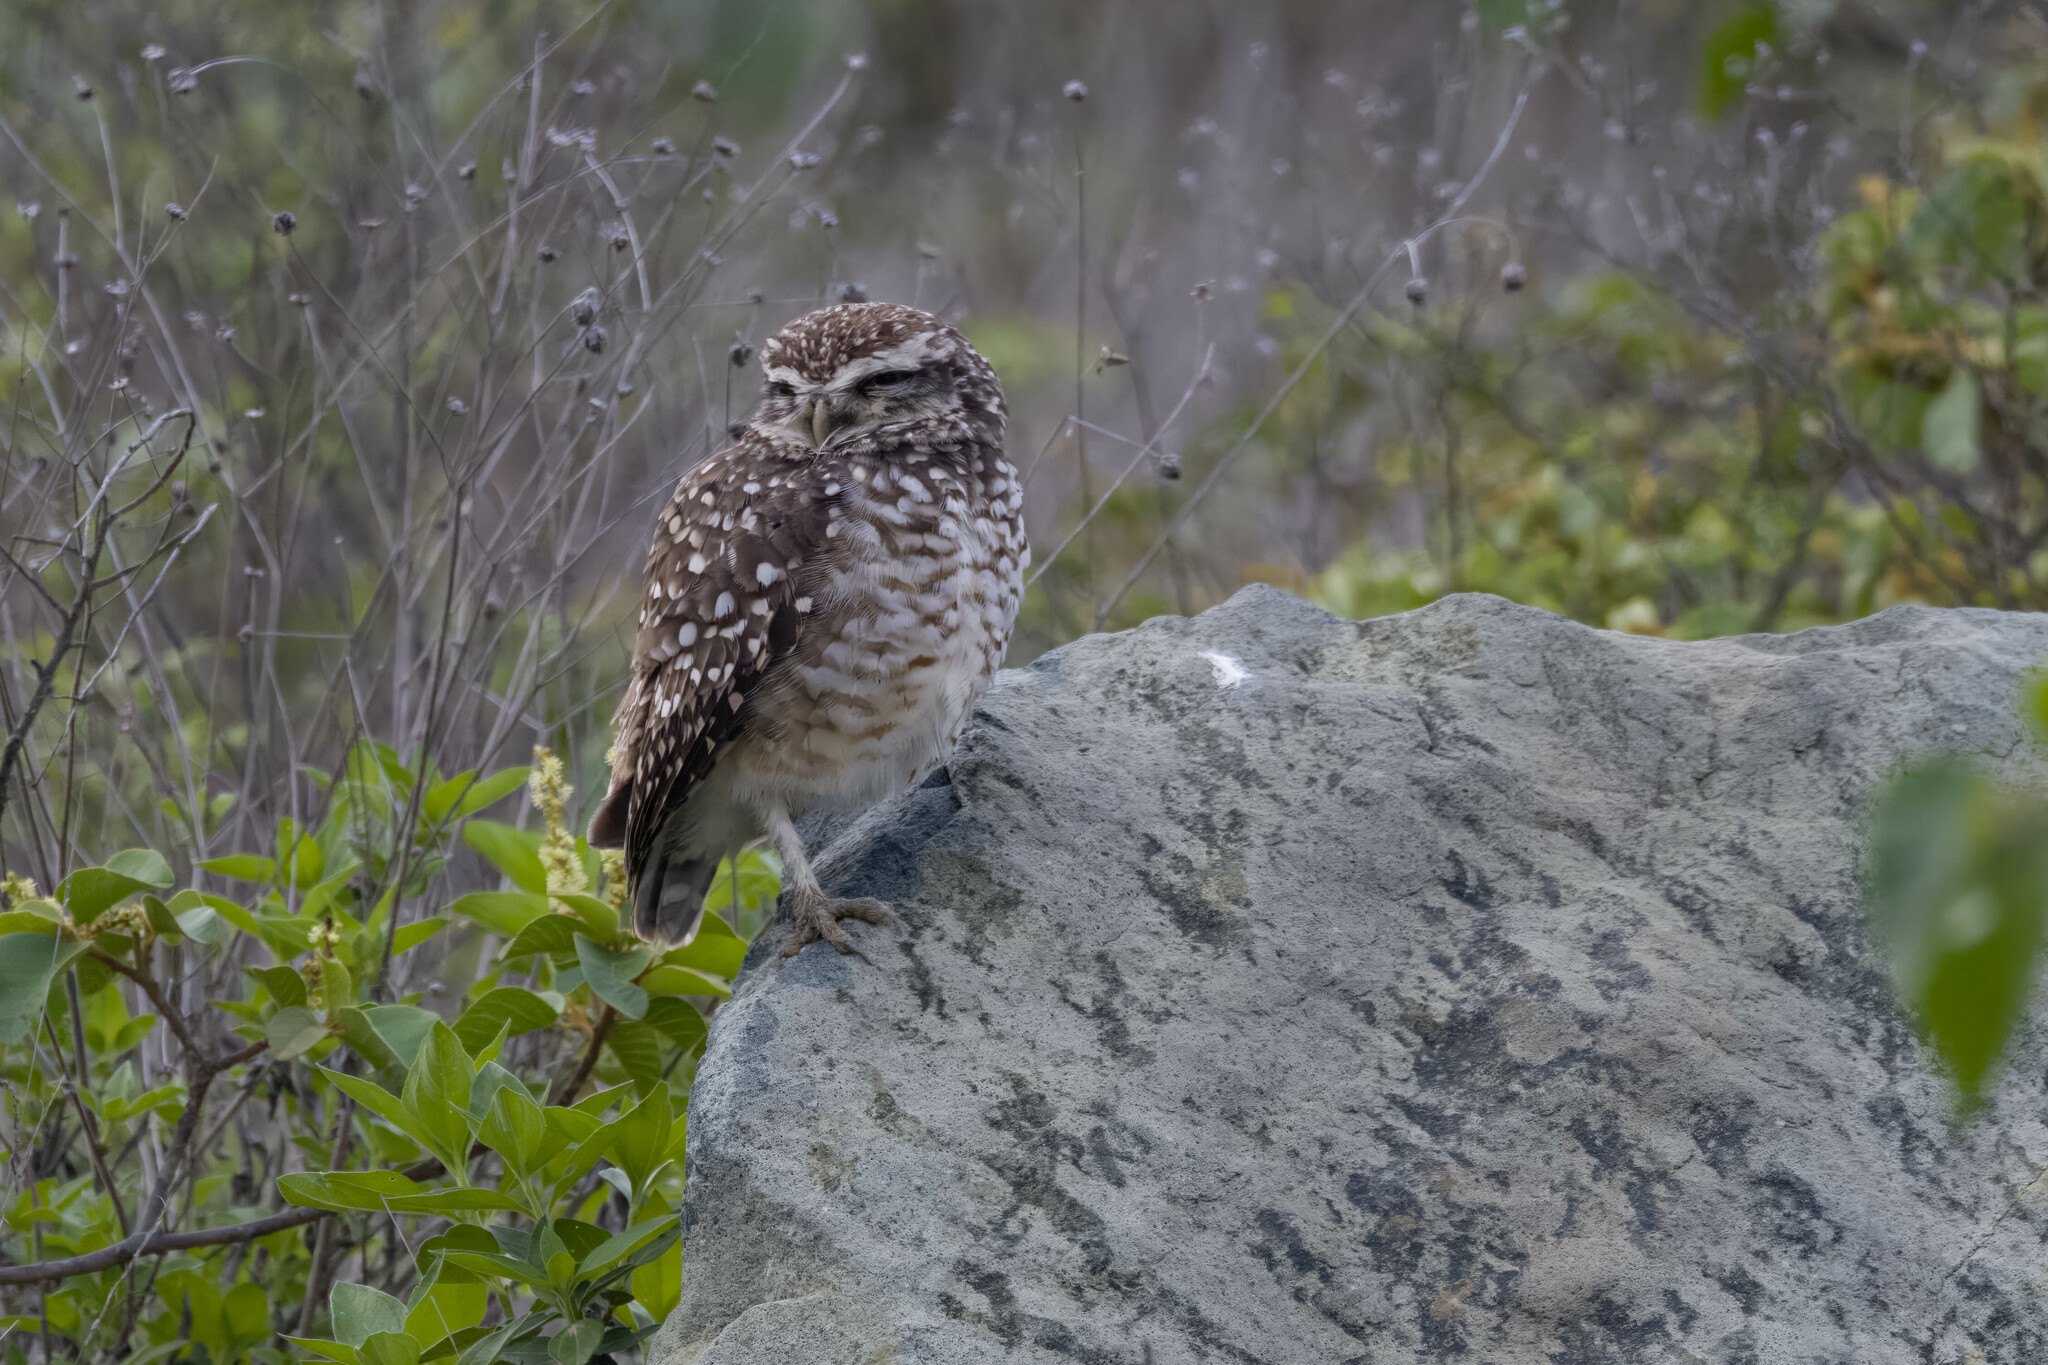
(812, 913)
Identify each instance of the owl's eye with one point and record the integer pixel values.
(888, 381)
(780, 389)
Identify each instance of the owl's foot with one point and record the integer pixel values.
(815, 915)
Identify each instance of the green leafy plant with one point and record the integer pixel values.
(1958, 900)
(491, 1210)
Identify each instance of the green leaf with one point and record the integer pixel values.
(390, 1348)
(577, 1342)
(410, 936)
(485, 1350)
(144, 865)
(617, 1247)
(378, 1191)
(327, 1350)
(204, 924)
(402, 1027)
(247, 1311)
(1728, 58)
(670, 980)
(285, 984)
(502, 1007)
(678, 1021)
(514, 852)
(337, 988)
(610, 973)
(1948, 430)
(29, 964)
(548, 933)
(88, 892)
(466, 793)
(642, 1144)
(1501, 15)
(1958, 897)
(358, 1033)
(599, 919)
(243, 867)
(502, 912)
(445, 1309)
(515, 1128)
(437, 1092)
(716, 950)
(360, 1311)
(293, 1030)
(637, 1048)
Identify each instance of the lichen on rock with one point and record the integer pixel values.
(1466, 984)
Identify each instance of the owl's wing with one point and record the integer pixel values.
(723, 603)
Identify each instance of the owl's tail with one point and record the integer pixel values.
(668, 897)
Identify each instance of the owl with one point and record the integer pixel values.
(826, 601)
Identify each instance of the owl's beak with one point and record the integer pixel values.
(821, 423)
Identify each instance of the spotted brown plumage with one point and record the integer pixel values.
(826, 600)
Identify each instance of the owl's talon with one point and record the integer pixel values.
(816, 916)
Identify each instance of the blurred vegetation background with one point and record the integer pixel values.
(347, 349)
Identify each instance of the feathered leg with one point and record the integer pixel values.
(813, 914)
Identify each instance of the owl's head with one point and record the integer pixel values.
(869, 378)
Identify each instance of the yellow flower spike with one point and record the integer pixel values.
(550, 790)
(17, 888)
(615, 878)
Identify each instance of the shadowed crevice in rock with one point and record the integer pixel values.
(1464, 985)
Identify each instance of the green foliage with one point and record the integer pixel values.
(499, 1212)
(1958, 900)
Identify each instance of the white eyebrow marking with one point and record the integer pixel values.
(1230, 670)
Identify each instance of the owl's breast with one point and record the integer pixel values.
(912, 609)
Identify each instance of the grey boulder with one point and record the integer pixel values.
(1468, 984)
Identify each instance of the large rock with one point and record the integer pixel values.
(1467, 984)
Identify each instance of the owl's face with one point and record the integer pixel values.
(871, 378)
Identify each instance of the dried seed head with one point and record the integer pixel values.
(1169, 465)
(282, 222)
(301, 300)
(740, 352)
(1513, 276)
(466, 171)
(370, 224)
(1418, 290)
(457, 406)
(582, 88)
(1110, 357)
(705, 91)
(153, 52)
(1075, 91)
(182, 82)
(1204, 291)
(594, 338)
(546, 254)
(584, 308)
(67, 260)
(620, 238)
(929, 252)
(176, 212)
(851, 292)
(803, 161)
(663, 146)
(28, 209)
(81, 87)
(724, 147)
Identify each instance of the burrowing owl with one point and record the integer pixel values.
(826, 601)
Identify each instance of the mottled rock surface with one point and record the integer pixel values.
(1461, 985)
